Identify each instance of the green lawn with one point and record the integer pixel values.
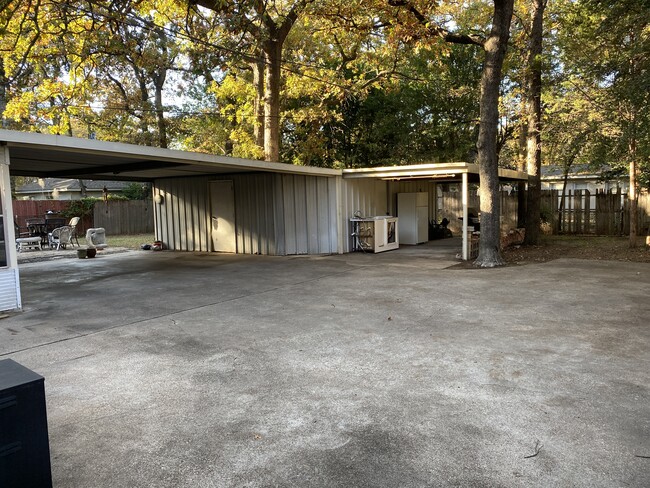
(130, 241)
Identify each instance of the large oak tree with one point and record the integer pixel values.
(494, 46)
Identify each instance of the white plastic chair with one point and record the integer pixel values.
(73, 225)
(60, 237)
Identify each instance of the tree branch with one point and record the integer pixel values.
(436, 30)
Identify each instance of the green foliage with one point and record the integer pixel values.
(114, 196)
(136, 191)
(602, 88)
(80, 208)
(362, 83)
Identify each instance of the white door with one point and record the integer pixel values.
(222, 208)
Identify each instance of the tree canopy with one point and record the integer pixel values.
(335, 83)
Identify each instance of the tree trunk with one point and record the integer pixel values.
(521, 166)
(258, 104)
(495, 49)
(272, 57)
(159, 82)
(82, 188)
(521, 204)
(144, 98)
(632, 196)
(4, 83)
(560, 209)
(533, 94)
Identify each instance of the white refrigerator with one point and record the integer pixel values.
(413, 213)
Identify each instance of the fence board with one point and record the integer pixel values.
(24, 209)
(605, 213)
(120, 217)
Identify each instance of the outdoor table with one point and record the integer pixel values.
(53, 223)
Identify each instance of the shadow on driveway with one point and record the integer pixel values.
(196, 370)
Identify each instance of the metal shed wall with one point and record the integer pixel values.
(182, 221)
(275, 214)
(309, 214)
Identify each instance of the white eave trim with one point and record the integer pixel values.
(132, 151)
(432, 170)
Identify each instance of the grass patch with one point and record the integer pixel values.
(133, 241)
(597, 242)
(610, 248)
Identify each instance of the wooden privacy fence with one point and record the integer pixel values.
(120, 217)
(25, 209)
(600, 213)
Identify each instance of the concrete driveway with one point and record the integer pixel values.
(391, 370)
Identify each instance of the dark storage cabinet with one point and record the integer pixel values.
(24, 445)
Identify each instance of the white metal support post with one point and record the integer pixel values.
(8, 276)
(465, 218)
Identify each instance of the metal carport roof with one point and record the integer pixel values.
(434, 171)
(42, 155)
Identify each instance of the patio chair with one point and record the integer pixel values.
(21, 231)
(73, 225)
(60, 237)
(96, 238)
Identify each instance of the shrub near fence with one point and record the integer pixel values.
(122, 217)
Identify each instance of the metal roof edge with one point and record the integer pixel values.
(406, 171)
(133, 151)
(427, 169)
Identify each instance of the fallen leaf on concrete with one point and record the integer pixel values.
(538, 448)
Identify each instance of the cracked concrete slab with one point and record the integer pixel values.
(176, 369)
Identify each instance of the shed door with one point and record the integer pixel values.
(222, 205)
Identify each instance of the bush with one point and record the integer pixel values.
(80, 208)
(136, 191)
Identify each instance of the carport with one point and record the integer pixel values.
(186, 186)
(391, 180)
(208, 203)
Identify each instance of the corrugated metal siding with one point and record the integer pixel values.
(254, 218)
(275, 214)
(309, 214)
(182, 220)
(367, 196)
(9, 294)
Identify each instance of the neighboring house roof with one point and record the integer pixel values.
(46, 185)
(578, 171)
